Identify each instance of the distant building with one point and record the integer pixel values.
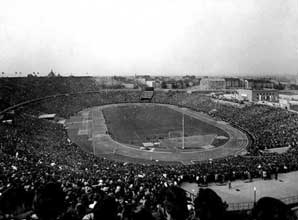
(268, 95)
(157, 85)
(234, 83)
(285, 85)
(169, 85)
(128, 85)
(288, 97)
(284, 103)
(193, 89)
(258, 84)
(212, 84)
(107, 81)
(150, 83)
(141, 80)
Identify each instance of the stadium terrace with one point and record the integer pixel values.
(45, 174)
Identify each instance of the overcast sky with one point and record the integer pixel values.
(149, 37)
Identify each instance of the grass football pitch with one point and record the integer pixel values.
(136, 124)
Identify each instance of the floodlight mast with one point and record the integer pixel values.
(92, 133)
(183, 129)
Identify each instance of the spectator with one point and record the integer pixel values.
(209, 206)
(175, 203)
(268, 208)
(49, 201)
(105, 209)
(35, 152)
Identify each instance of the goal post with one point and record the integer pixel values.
(177, 138)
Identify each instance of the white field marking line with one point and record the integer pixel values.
(99, 136)
(119, 145)
(102, 119)
(93, 138)
(99, 122)
(101, 128)
(132, 148)
(77, 122)
(197, 116)
(232, 135)
(204, 118)
(84, 124)
(213, 149)
(156, 151)
(181, 152)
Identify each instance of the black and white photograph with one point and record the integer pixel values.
(148, 110)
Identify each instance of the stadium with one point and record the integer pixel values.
(155, 132)
(149, 110)
(93, 140)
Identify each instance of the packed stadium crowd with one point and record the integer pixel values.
(46, 176)
(51, 165)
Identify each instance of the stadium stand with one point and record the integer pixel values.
(147, 94)
(46, 176)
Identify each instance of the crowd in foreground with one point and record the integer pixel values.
(35, 153)
(46, 176)
(50, 203)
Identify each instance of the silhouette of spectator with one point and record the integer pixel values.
(175, 203)
(105, 209)
(49, 201)
(209, 206)
(142, 214)
(268, 208)
(15, 200)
